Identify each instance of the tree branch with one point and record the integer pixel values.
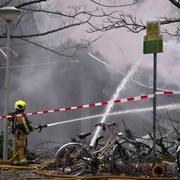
(169, 21)
(44, 47)
(29, 3)
(175, 3)
(126, 21)
(90, 13)
(47, 32)
(111, 6)
(6, 3)
(76, 47)
(123, 21)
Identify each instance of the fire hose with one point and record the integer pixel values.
(40, 127)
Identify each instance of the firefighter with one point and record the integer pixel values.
(20, 128)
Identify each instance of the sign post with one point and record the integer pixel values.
(153, 44)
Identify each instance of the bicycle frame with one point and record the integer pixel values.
(111, 140)
(85, 153)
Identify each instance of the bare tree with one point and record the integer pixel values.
(73, 17)
(79, 15)
(129, 21)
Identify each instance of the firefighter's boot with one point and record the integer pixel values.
(22, 157)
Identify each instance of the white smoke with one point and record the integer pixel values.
(49, 87)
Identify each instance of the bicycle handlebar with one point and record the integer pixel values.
(107, 125)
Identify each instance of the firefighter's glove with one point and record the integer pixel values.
(30, 128)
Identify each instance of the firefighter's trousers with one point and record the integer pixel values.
(20, 142)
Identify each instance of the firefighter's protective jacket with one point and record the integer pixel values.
(21, 130)
(22, 123)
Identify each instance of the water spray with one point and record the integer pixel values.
(3, 53)
(140, 110)
(115, 95)
(111, 67)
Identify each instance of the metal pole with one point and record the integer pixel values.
(6, 98)
(154, 102)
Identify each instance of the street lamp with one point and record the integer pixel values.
(8, 14)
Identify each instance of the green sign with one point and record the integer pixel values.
(153, 41)
(154, 46)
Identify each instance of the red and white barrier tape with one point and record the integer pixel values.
(129, 99)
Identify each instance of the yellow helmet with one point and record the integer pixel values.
(19, 105)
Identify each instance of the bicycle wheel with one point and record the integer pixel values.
(131, 158)
(141, 159)
(72, 159)
(122, 159)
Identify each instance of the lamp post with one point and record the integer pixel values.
(7, 14)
